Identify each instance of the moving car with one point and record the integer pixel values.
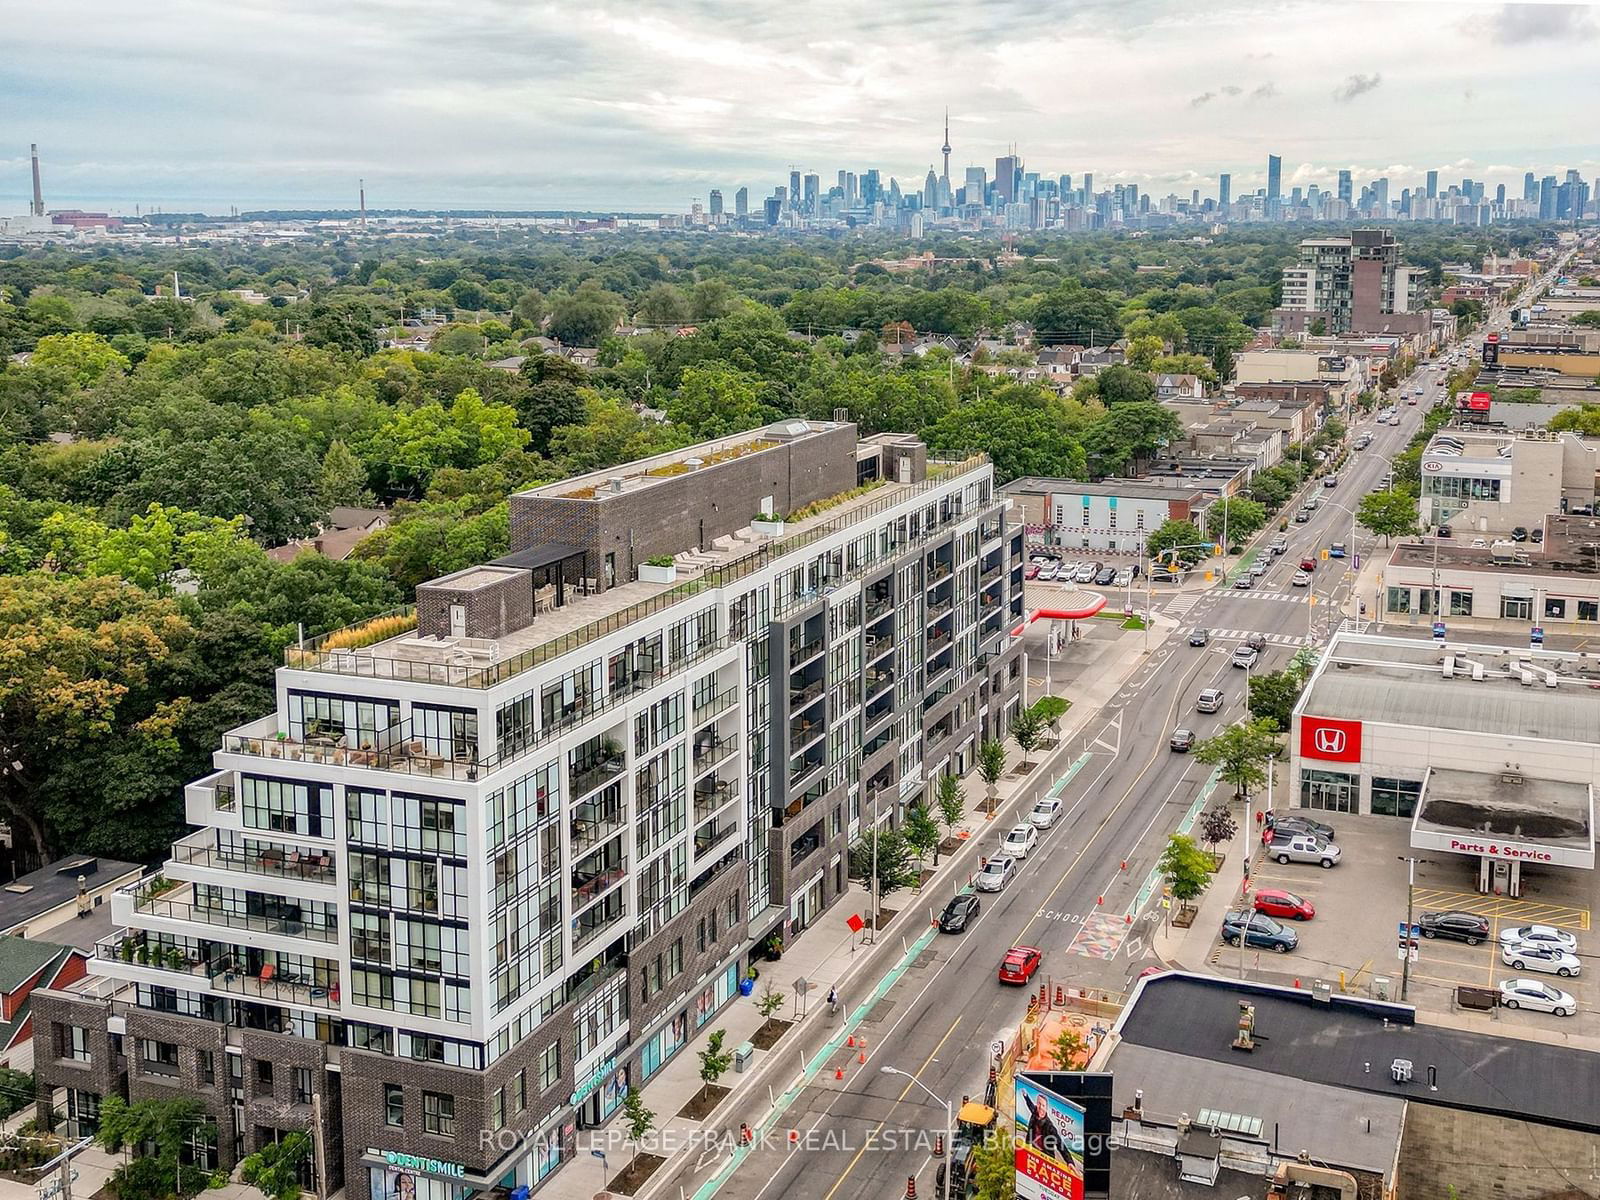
(1045, 813)
(1301, 517)
(1336, 550)
(1279, 545)
(1276, 902)
(1294, 822)
(1182, 740)
(1245, 656)
(1308, 563)
(1541, 997)
(1531, 956)
(1209, 701)
(1245, 582)
(1199, 637)
(1256, 641)
(1262, 932)
(1301, 579)
(1363, 441)
(996, 873)
(1457, 926)
(1260, 567)
(1332, 481)
(1020, 840)
(959, 913)
(1303, 848)
(1019, 964)
(1542, 935)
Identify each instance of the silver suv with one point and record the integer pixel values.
(1304, 848)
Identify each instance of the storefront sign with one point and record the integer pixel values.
(1330, 739)
(596, 1078)
(1505, 851)
(427, 1166)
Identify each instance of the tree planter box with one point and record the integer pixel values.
(768, 528)
(649, 574)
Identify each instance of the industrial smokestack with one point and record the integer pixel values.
(363, 201)
(38, 192)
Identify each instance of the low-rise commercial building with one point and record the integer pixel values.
(1114, 515)
(1493, 483)
(1490, 752)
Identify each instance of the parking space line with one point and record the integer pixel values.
(1504, 908)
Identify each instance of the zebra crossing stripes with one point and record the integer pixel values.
(1179, 605)
(1275, 639)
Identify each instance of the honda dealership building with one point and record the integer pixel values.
(1485, 751)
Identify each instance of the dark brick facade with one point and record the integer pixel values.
(498, 600)
(105, 1074)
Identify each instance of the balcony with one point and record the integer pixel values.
(396, 748)
(800, 768)
(800, 697)
(715, 705)
(221, 973)
(598, 874)
(597, 821)
(712, 753)
(879, 607)
(804, 652)
(597, 774)
(278, 862)
(877, 681)
(173, 903)
(938, 573)
(877, 645)
(803, 732)
(712, 834)
(712, 796)
(939, 609)
(588, 925)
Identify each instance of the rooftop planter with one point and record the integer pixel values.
(658, 570)
(768, 524)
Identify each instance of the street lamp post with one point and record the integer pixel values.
(949, 1123)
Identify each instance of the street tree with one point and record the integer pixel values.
(1180, 540)
(1217, 825)
(1185, 869)
(1393, 514)
(640, 1121)
(274, 1169)
(1027, 731)
(895, 867)
(922, 834)
(1236, 516)
(991, 766)
(714, 1061)
(952, 802)
(1273, 696)
(1241, 753)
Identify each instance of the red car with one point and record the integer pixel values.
(1019, 964)
(1032, 572)
(1276, 902)
(1308, 564)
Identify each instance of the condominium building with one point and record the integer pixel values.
(1351, 284)
(498, 856)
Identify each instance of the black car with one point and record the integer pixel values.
(958, 914)
(1457, 926)
(1293, 823)
(1199, 637)
(1519, 534)
(1182, 740)
(1106, 576)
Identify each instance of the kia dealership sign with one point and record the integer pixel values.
(1330, 739)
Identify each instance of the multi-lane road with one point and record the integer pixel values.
(864, 1135)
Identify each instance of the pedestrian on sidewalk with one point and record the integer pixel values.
(833, 1001)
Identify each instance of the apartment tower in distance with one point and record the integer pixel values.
(496, 857)
(1353, 284)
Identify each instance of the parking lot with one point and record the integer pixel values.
(1361, 903)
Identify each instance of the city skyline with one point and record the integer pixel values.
(654, 109)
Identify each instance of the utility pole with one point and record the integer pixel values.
(319, 1151)
(1405, 941)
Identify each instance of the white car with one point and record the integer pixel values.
(1020, 840)
(1301, 579)
(1530, 956)
(1045, 814)
(1539, 996)
(996, 873)
(1124, 578)
(1541, 935)
(1245, 656)
(1085, 573)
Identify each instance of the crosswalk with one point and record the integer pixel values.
(1296, 596)
(1181, 604)
(1275, 639)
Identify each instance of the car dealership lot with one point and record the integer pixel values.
(1361, 903)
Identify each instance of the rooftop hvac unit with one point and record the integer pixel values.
(1449, 666)
(1477, 671)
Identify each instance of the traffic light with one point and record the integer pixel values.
(1216, 547)
(1324, 554)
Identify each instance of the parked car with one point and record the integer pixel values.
(1279, 545)
(1539, 996)
(1276, 902)
(1032, 572)
(1199, 637)
(1457, 926)
(1245, 656)
(1209, 701)
(1019, 964)
(1542, 935)
(1124, 577)
(1295, 822)
(996, 873)
(1106, 577)
(1182, 740)
(1531, 956)
(1301, 579)
(959, 913)
(1303, 848)
(1259, 931)
(1256, 641)
(1045, 813)
(1519, 534)
(1086, 572)
(1048, 572)
(1020, 841)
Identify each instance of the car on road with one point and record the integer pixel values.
(1300, 579)
(1276, 902)
(1294, 822)
(1363, 441)
(1245, 656)
(1260, 567)
(1336, 550)
(1209, 701)
(1245, 582)
(1308, 563)
(1457, 926)
(1020, 841)
(1543, 935)
(1033, 571)
(1019, 964)
(1530, 956)
(959, 913)
(1259, 931)
(1182, 740)
(1303, 848)
(1279, 545)
(1332, 481)
(1301, 517)
(1537, 995)
(1412, 400)
(996, 873)
(1106, 577)
(1199, 637)
(1256, 641)
(1045, 813)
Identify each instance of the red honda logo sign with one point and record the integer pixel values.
(1323, 737)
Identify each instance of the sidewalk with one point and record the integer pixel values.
(1089, 672)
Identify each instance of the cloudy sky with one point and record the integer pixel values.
(521, 104)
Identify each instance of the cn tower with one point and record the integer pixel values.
(946, 179)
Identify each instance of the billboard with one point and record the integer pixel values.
(1477, 402)
(1049, 1138)
(1331, 739)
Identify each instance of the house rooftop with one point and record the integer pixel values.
(38, 892)
(1133, 489)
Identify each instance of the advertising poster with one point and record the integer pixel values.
(1049, 1142)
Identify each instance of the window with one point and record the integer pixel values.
(519, 1090)
(283, 806)
(497, 1109)
(674, 960)
(733, 910)
(1516, 608)
(264, 1072)
(1555, 606)
(77, 1043)
(1460, 604)
(1399, 599)
(207, 1062)
(439, 1114)
(158, 1058)
(394, 1105)
(302, 1085)
(1334, 791)
(1589, 610)
(549, 1067)
(1395, 797)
